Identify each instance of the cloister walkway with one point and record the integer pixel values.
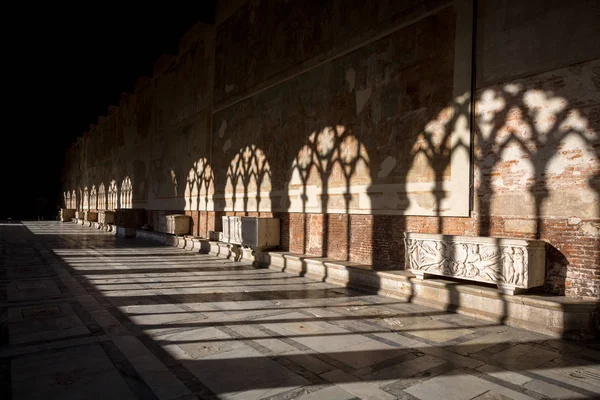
(85, 314)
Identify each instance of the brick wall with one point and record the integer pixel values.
(572, 255)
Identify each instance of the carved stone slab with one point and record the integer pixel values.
(513, 264)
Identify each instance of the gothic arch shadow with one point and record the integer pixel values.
(199, 192)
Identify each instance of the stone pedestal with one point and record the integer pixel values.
(514, 265)
(67, 214)
(178, 224)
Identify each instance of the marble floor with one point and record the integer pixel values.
(86, 315)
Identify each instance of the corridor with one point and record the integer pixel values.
(85, 314)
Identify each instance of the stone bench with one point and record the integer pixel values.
(514, 265)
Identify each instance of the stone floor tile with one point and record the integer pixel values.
(81, 372)
(310, 362)
(243, 369)
(312, 333)
(451, 356)
(586, 377)
(523, 357)
(460, 387)
(359, 388)
(553, 391)
(328, 393)
(403, 370)
(437, 331)
(508, 376)
(276, 346)
(31, 289)
(45, 322)
(367, 353)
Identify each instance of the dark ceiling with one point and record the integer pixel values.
(66, 67)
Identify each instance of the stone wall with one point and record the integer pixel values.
(356, 121)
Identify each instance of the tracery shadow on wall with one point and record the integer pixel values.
(525, 138)
(126, 193)
(199, 190)
(531, 148)
(330, 163)
(93, 198)
(531, 144)
(248, 182)
(86, 199)
(101, 197)
(113, 195)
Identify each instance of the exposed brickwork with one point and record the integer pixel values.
(572, 255)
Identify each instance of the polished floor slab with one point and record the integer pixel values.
(85, 314)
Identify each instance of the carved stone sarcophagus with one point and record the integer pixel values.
(514, 265)
(67, 214)
(260, 232)
(91, 216)
(178, 224)
(232, 230)
(106, 217)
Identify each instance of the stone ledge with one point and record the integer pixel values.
(557, 316)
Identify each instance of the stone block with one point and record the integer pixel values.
(260, 232)
(91, 216)
(232, 229)
(178, 224)
(67, 214)
(106, 217)
(511, 264)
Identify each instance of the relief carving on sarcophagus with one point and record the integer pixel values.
(512, 264)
